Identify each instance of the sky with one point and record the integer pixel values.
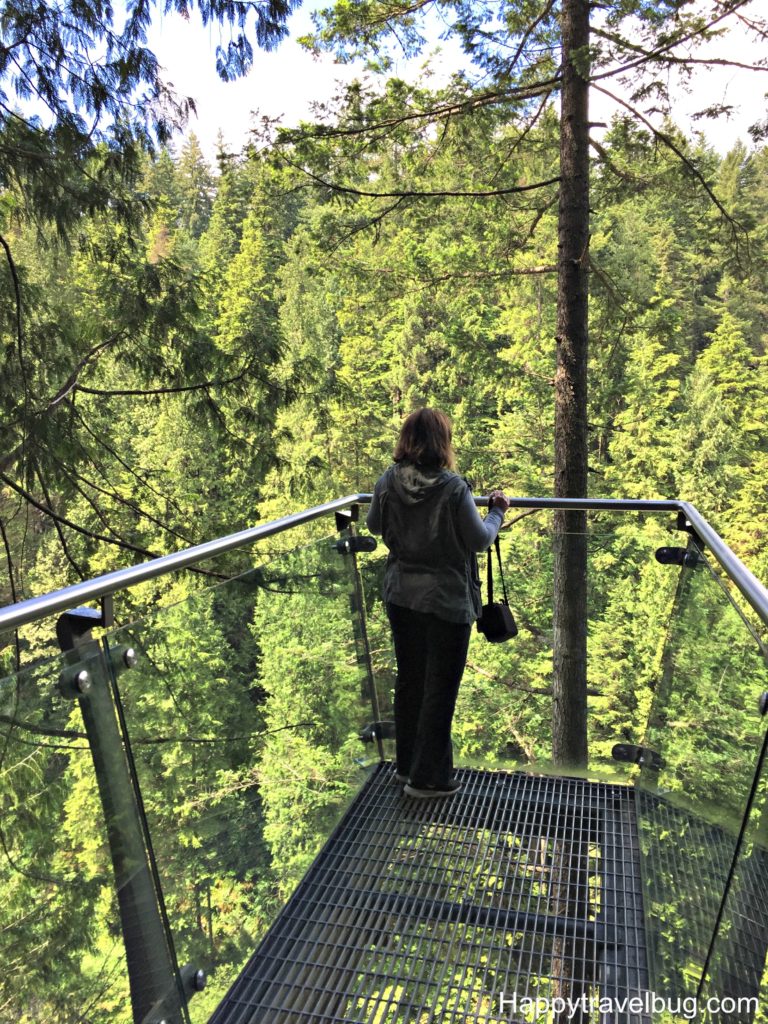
(285, 82)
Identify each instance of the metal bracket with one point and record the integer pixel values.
(75, 681)
(356, 544)
(634, 754)
(346, 517)
(75, 625)
(122, 657)
(378, 731)
(86, 676)
(193, 979)
(679, 556)
(684, 524)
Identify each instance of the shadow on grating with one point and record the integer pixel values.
(519, 887)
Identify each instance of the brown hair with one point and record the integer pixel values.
(425, 440)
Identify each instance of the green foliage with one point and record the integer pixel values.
(98, 87)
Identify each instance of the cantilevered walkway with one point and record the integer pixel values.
(519, 887)
(215, 730)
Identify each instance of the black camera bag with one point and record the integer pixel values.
(496, 622)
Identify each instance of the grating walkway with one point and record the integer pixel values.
(518, 887)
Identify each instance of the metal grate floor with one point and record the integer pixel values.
(519, 887)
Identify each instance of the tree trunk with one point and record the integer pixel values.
(569, 725)
(569, 885)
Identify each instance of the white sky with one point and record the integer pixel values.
(285, 82)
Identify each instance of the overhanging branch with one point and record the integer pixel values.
(63, 521)
(433, 194)
(670, 143)
(438, 113)
(661, 52)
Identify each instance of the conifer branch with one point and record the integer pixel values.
(99, 512)
(42, 730)
(539, 213)
(398, 11)
(509, 523)
(530, 29)
(759, 28)
(670, 143)
(19, 333)
(460, 275)
(116, 541)
(72, 734)
(613, 290)
(486, 275)
(120, 460)
(14, 596)
(369, 222)
(63, 521)
(714, 62)
(73, 475)
(437, 113)
(151, 392)
(530, 125)
(71, 382)
(248, 372)
(605, 157)
(412, 194)
(659, 54)
(9, 560)
(57, 524)
(17, 295)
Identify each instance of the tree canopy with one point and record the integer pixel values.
(81, 96)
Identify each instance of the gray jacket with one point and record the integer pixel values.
(431, 526)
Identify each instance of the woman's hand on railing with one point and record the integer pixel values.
(498, 499)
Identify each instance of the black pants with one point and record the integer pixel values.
(431, 654)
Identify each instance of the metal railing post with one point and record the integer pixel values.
(349, 548)
(153, 982)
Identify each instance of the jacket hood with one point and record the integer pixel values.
(415, 484)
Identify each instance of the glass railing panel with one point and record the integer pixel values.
(373, 644)
(705, 733)
(503, 716)
(244, 710)
(631, 599)
(504, 711)
(503, 720)
(674, 669)
(370, 566)
(244, 703)
(37, 640)
(736, 981)
(61, 944)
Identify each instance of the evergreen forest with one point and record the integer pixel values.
(190, 348)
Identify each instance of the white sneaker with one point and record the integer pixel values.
(430, 792)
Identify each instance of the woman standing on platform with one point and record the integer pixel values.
(428, 519)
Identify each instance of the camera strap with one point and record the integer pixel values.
(497, 545)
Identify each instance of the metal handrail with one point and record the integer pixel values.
(748, 584)
(35, 608)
